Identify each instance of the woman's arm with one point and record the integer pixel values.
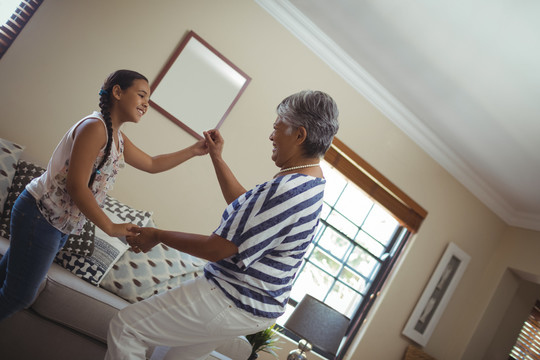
(212, 248)
(230, 187)
(155, 164)
(89, 138)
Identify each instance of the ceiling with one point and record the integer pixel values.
(460, 78)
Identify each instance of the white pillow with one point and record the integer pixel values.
(107, 249)
(137, 276)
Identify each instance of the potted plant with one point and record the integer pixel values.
(264, 340)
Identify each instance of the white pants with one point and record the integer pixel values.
(195, 318)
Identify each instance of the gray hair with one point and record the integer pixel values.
(317, 112)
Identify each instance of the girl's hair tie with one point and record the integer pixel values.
(103, 92)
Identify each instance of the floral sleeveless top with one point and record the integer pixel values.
(50, 191)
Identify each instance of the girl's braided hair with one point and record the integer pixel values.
(124, 79)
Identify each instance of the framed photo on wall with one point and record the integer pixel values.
(436, 295)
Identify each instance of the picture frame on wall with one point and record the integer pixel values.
(198, 86)
(436, 295)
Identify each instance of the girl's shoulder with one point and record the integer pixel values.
(90, 120)
(96, 115)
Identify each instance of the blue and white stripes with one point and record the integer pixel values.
(272, 225)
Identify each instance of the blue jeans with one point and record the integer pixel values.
(33, 247)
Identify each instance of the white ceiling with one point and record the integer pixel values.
(460, 78)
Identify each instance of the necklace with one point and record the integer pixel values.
(296, 167)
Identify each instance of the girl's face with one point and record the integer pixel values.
(132, 103)
(284, 143)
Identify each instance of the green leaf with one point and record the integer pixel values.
(264, 341)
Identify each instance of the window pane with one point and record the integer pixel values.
(309, 250)
(380, 224)
(336, 181)
(370, 244)
(344, 259)
(311, 281)
(342, 224)
(362, 262)
(353, 279)
(334, 243)
(325, 262)
(353, 204)
(325, 211)
(344, 299)
(7, 8)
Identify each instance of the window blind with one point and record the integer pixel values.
(404, 209)
(527, 346)
(14, 25)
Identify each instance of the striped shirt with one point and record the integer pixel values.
(272, 225)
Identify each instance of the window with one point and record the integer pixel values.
(358, 240)
(14, 15)
(527, 346)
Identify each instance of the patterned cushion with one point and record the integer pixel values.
(24, 173)
(124, 213)
(80, 244)
(135, 277)
(9, 156)
(107, 249)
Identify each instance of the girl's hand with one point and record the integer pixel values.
(199, 148)
(215, 142)
(119, 230)
(144, 240)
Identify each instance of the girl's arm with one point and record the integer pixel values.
(230, 187)
(89, 138)
(155, 164)
(212, 248)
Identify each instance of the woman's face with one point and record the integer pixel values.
(133, 101)
(284, 143)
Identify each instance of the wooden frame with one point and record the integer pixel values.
(436, 295)
(197, 87)
(377, 186)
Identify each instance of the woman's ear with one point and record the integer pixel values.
(301, 135)
(117, 92)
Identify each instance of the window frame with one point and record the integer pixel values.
(405, 210)
(376, 185)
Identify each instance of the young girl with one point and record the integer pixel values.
(81, 170)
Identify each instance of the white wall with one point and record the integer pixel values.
(51, 75)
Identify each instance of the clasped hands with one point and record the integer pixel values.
(144, 240)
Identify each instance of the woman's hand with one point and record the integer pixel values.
(230, 187)
(144, 239)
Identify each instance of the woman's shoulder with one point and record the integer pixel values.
(293, 180)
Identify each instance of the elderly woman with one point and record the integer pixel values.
(253, 255)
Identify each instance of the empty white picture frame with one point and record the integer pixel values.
(197, 87)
